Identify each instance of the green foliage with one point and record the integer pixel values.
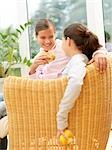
(107, 36)
(9, 47)
(1, 71)
(26, 62)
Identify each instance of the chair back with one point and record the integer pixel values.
(32, 106)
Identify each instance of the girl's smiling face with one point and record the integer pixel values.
(46, 38)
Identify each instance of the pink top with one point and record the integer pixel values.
(54, 68)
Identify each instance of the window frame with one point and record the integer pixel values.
(94, 21)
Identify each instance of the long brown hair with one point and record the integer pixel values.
(43, 24)
(84, 39)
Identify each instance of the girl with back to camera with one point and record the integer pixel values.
(79, 44)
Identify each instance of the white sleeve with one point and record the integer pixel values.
(102, 50)
(72, 92)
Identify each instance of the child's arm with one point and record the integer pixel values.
(76, 76)
(101, 50)
(38, 60)
(100, 59)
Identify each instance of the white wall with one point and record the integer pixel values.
(8, 13)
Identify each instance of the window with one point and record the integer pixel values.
(62, 12)
(107, 8)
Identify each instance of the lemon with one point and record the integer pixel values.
(68, 139)
(63, 140)
(68, 134)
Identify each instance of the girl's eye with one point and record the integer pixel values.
(51, 37)
(42, 37)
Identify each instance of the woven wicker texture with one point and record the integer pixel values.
(32, 107)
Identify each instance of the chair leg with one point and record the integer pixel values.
(3, 143)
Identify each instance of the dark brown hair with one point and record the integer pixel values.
(43, 24)
(84, 39)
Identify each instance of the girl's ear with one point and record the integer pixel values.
(68, 41)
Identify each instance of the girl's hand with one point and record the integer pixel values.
(60, 132)
(100, 61)
(62, 139)
(65, 137)
(41, 60)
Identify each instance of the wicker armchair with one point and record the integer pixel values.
(32, 107)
